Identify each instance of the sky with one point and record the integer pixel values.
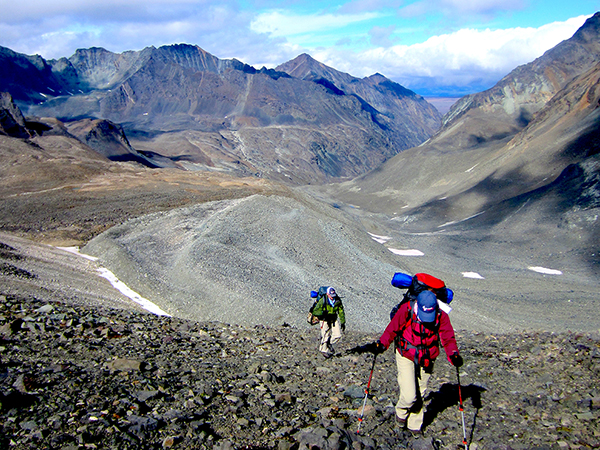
(434, 47)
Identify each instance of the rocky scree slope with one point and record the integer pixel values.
(81, 376)
(251, 261)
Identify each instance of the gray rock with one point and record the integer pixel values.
(123, 364)
(28, 425)
(354, 392)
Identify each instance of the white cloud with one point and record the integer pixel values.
(457, 58)
(382, 36)
(103, 10)
(355, 6)
(281, 23)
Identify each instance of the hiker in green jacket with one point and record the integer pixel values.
(332, 320)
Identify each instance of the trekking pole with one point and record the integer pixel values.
(360, 419)
(462, 412)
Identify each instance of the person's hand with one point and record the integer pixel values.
(372, 347)
(456, 360)
(379, 348)
(343, 327)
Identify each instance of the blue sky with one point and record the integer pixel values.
(434, 47)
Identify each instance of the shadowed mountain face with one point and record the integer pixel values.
(392, 106)
(182, 107)
(12, 122)
(109, 140)
(515, 164)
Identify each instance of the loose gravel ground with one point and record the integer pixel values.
(75, 377)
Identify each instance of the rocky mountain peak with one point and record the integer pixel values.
(191, 57)
(376, 78)
(589, 31)
(305, 67)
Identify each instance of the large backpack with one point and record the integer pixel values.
(317, 295)
(417, 284)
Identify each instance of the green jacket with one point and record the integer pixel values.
(324, 311)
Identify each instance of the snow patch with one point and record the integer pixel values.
(119, 285)
(459, 221)
(380, 239)
(545, 271)
(474, 275)
(127, 292)
(444, 307)
(411, 252)
(75, 250)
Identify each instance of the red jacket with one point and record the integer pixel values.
(415, 340)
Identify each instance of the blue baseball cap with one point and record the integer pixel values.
(427, 306)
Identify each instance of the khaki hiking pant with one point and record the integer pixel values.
(331, 332)
(410, 403)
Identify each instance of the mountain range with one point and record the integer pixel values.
(182, 107)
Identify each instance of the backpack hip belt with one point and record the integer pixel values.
(422, 355)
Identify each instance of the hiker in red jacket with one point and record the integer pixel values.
(417, 328)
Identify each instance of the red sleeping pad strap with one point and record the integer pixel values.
(431, 281)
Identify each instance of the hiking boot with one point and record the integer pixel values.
(401, 423)
(327, 355)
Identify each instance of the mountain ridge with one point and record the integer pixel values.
(315, 130)
(526, 89)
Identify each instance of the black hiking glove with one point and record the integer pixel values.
(373, 347)
(343, 327)
(456, 360)
(378, 348)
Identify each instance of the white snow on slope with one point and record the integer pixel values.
(473, 275)
(380, 239)
(411, 252)
(75, 250)
(127, 292)
(459, 221)
(119, 285)
(545, 271)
